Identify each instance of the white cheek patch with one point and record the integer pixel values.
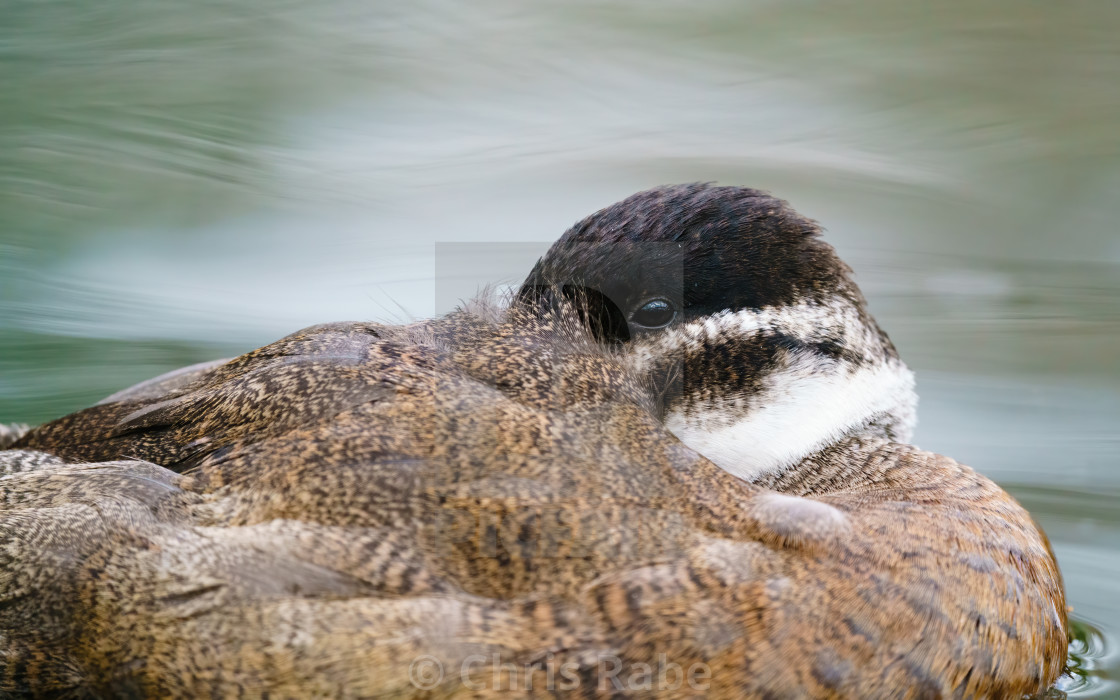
(799, 411)
(806, 404)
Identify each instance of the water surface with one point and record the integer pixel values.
(180, 182)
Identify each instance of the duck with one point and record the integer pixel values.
(675, 463)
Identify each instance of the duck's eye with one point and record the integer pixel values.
(654, 314)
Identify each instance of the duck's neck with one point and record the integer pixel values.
(849, 464)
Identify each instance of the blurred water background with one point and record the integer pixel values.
(185, 181)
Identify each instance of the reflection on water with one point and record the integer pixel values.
(186, 181)
(1088, 654)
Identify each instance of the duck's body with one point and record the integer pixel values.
(497, 493)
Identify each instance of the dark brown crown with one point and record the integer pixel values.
(705, 249)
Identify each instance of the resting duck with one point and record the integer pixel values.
(675, 465)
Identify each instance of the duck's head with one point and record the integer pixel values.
(746, 322)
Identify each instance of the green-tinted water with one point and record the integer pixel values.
(183, 181)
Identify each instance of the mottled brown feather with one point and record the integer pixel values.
(310, 518)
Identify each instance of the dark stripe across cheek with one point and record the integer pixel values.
(722, 368)
(832, 349)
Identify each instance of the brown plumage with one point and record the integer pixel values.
(336, 512)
